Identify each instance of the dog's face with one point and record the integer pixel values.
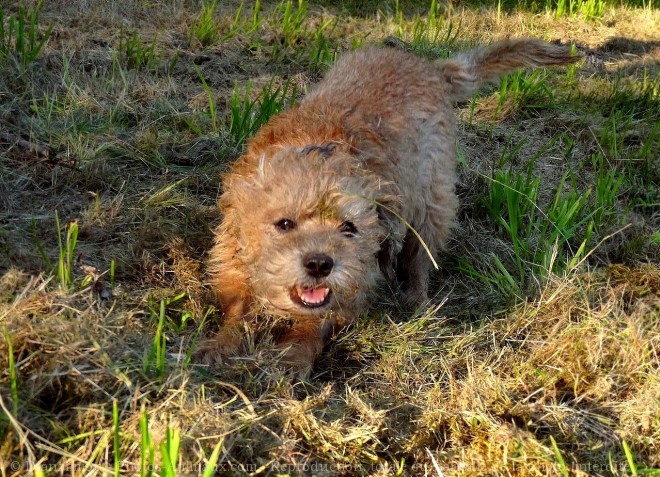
(309, 232)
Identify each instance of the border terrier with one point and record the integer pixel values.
(353, 185)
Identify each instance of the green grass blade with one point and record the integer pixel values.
(560, 462)
(115, 441)
(630, 458)
(13, 376)
(211, 464)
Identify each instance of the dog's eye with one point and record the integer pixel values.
(285, 225)
(348, 228)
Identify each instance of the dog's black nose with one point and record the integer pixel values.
(318, 265)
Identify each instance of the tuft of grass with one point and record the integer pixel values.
(541, 237)
(205, 29)
(147, 450)
(434, 35)
(169, 450)
(590, 9)
(247, 115)
(20, 36)
(608, 181)
(292, 19)
(154, 361)
(213, 112)
(323, 53)
(67, 253)
(135, 53)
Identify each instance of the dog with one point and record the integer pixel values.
(351, 186)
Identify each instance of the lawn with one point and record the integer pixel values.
(538, 355)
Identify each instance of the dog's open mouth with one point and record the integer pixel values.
(311, 297)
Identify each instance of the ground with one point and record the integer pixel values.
(539, 354)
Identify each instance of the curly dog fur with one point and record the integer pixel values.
(323, 204)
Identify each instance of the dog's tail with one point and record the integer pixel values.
(468, 71)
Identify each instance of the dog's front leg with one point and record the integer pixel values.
(305, 340)
(227, 341)
(229, 281)
(413, 268)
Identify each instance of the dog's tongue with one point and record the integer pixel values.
(314, 295)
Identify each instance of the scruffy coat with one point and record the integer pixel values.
(343, 189)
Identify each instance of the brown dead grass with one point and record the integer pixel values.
(475, 385)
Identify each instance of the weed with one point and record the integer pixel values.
(322, 54)
(236, 27)
(539, 239)
(169, 451)
(292, 20)
(290, 23)
(154, 360)
(650, 142)
(147, 451)
(212, 462)
(213, 112)
(67, 252)
(19, 37)
(135, 54)
(434, 35)
(523, 88)
(591, 9)
(566, 216)
(205, 29)
(512, 204)
(116, 436)
(607, 184)
(560, 462)
(247, 115)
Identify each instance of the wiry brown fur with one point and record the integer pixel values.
(372, 144)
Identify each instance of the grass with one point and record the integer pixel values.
(537, 356)
(205, 29)
(67, 246)
(247, 115)
(135, 53)
(20, 38)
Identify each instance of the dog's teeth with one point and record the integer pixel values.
(314, 296)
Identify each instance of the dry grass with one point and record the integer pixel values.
(483, 382)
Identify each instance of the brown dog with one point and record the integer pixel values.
(344, 189)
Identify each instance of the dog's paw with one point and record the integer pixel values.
(412, 299)
(299, 359)
(218, 348)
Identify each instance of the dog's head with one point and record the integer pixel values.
(309, 227)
